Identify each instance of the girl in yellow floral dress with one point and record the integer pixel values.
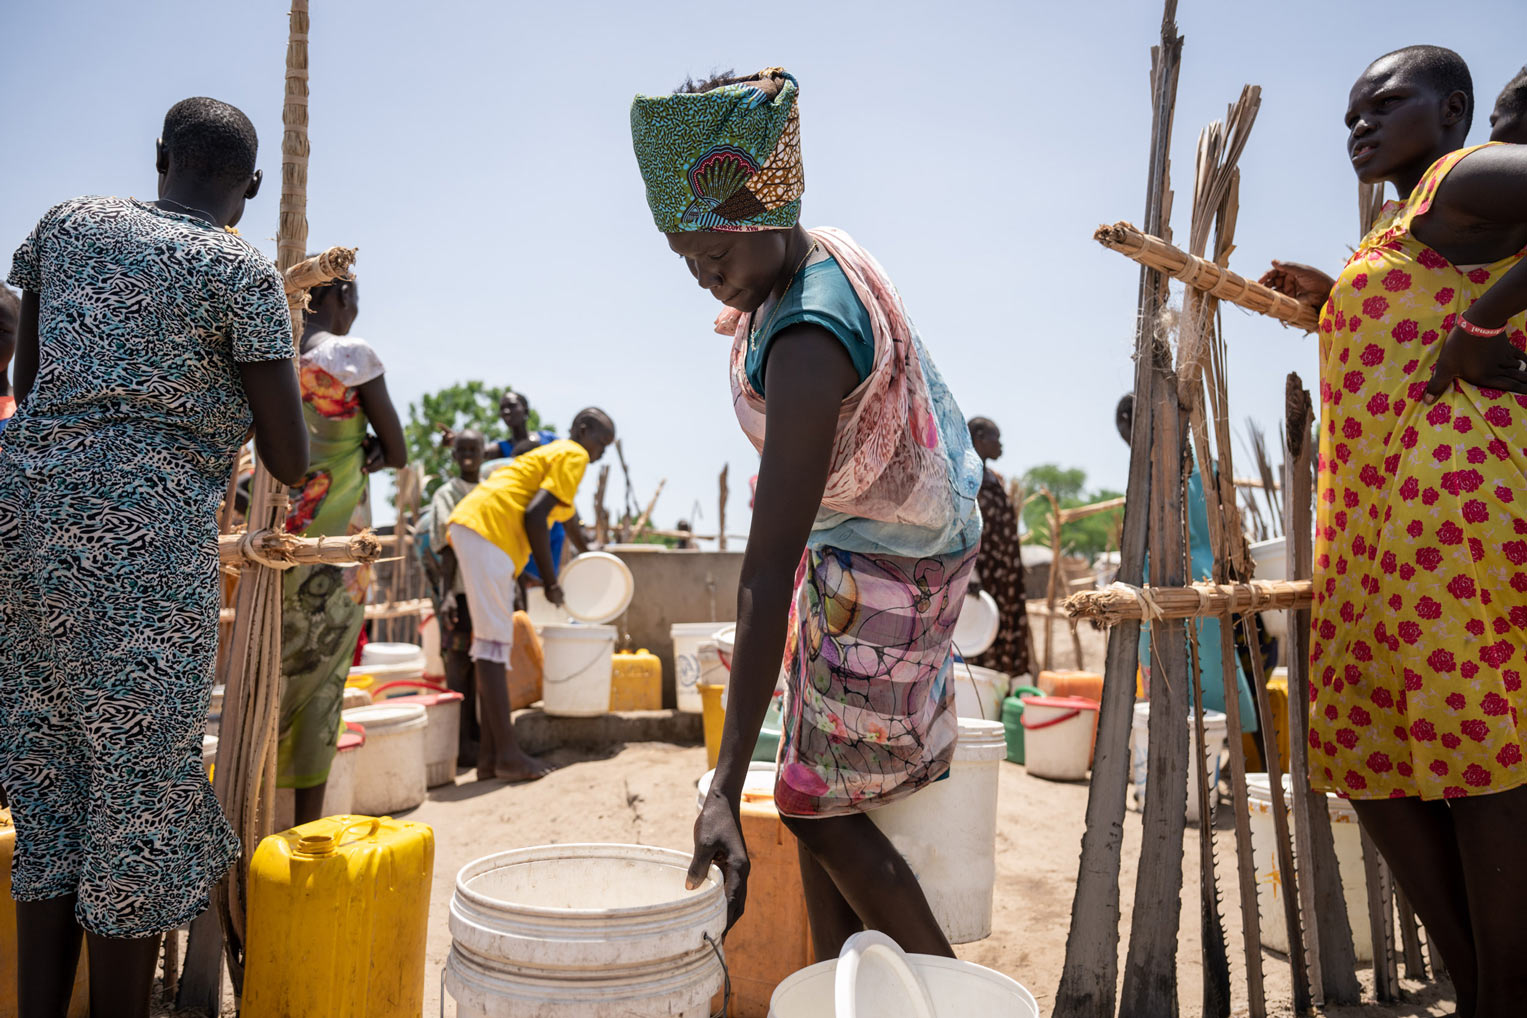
(1417, 709)
(323, 606)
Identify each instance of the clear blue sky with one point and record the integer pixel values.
(478, 154)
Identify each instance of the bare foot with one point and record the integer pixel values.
(522, 767)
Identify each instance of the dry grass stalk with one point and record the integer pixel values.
(1370, 202)
(1202, 274)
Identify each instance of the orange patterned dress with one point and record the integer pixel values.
(1420, 619)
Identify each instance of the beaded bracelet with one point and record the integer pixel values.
(1478, 330)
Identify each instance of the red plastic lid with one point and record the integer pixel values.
(1060, 702)
(354, 736)
(427, 699)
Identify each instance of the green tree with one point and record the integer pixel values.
(1087, 537)
(464, 405)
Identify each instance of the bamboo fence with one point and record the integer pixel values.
(1205, 276)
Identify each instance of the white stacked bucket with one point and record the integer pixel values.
(580, 655)
(687, 668)
(872, 977)
(1349, 864)
(391, 662)
(1215, 729)
(979, 692)
(947, 832)
(390, 772)
(584, 931)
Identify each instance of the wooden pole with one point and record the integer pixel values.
(1053, 587)
(601, 513)
(1386, 985)
(721, 519)
(1333, 965)
(1122, 602)
(1089, 980)
(641, 521)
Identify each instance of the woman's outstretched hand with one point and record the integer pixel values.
(1487, 363)
(718, 841)
(1304, 283)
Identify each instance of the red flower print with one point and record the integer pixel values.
(1494, 705)
(1439, 414)
(1396, 603)
(1519, 582)
(1397, 280)
(1431, 259)
(1428, 558)
(1461, 587)
(1389, 563)
(1404, 332)
(1352, 381)
(1476, 776)
(1422, 730)
(1409, 631)
(1511, 679)
(1426, 608)
(1477, 552)
(1412, 682)
(1445, 296)
(1378, 405)
(1442, 661)
(1347, 738)
(1373, 355)
(1475, 454)
(1498, 449)
(1327, 629)
(1379, 762)
(1414, 528)
(1359, 717)
(1454, 792)
(1351, 429)
(1391, 463)
(1475, 511)
(1439, 768)
(1518, 616)
(1463, 425)
(1352, 324)
(1450, 740)
(1381, 698)
(1475, 626)
(1498, 416)
(1331, 712)
(1470, 481)
(1450, 533)
(1370, 476)
(1479, 276)
(1456, 701)
(1442, 453)
(1355, 781)
(1360, 281)
(1504, 494)
(1516, 551)
(1510, 754)
(1475, 729)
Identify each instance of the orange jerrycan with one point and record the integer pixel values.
(338, 910)
(636, 681)
(79, 1003)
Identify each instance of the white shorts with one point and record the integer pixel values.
(488, 574)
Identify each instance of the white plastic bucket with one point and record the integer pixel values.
(947, 832)
(584, 931)
(687, 637)
(429, 642)
(339, 792)
(957, 989)
(356, 697)
(1349, 864)
(1215, 735)
(1058, 736)
(979, 692)
(442, 736)
(1269, 561)
(389, 768)
(579, 661)
(597, 587)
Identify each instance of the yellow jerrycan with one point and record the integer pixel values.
(636, 681)
(338, 911)
(79, 1003)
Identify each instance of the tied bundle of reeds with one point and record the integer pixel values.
(1202, 274)
(1118, 602)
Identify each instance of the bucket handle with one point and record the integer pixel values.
(726, 975)
(568, 678)
(1067, 716)
(425, 684)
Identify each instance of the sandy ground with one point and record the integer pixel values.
(645, 794)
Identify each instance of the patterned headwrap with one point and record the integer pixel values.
(728, 159)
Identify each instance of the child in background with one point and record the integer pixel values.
(150, 336)
(455, 637)
(494, 532)
(1508, 121)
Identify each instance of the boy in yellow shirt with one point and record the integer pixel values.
(494, 532)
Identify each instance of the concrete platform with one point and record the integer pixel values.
(539, 732)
